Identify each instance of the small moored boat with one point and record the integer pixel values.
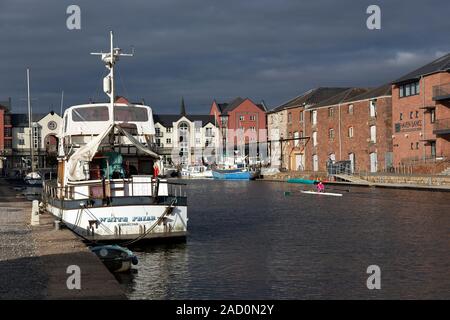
(302, 181)
(115, 258)
(234, 174)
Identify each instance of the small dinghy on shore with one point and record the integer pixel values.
(115, 258)
(322, 193)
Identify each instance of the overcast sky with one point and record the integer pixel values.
(205, 49)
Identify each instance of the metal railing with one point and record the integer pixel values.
(441, 91)
(52, 190)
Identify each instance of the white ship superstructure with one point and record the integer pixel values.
(106, 188)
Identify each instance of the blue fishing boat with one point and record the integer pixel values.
(234, 174)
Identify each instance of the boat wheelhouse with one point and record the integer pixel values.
(106, 187)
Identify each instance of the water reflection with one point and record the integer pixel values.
(162, 272)
(249, 241)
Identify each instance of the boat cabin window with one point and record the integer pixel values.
(127, 113)
(90, 114)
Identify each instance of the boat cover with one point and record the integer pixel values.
(86, 153)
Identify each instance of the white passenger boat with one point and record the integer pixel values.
(322, 193)
(105, 189)
(197, 172)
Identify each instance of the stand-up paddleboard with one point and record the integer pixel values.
(322, 193)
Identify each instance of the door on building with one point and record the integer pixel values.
(373, 162)
(351, 157)
(299, 164)
(315, 162)
(433, 149)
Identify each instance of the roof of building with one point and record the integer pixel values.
(227, 107)
(384, 90)
(344, 96)
(310, 97)
(6, 104)
(438, 65)
(167, 120)
(21, 119)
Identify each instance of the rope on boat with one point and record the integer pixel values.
(168, 210)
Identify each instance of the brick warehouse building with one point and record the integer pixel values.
(421, 114)
(353, 125)
(240, 114)
(287, 121)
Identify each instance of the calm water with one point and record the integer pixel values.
(249, 241)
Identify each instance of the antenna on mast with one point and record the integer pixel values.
(110, 58)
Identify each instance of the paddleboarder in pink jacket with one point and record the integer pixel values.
(320, 187)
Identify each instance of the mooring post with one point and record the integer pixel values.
(35, 213)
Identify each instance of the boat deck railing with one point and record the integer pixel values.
(101, 189)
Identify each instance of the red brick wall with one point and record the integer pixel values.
(246, 109)
(342, 145)
(424, 129)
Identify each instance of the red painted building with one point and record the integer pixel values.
(421, 114)
(5, 133)
(240, 115)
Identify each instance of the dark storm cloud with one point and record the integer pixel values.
(205, 49)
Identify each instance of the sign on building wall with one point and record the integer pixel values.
(408, 126)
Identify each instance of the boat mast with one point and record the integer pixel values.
(30, 122)
(110, 59)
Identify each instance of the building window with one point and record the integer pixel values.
(289, 117)
(433, 116)
(197, 129)
(8, 143)
(330, 112)
(314, 117)
(253, 129)
(350, 132)
(168, 141)
(401, 116)
(373, 108)
(350, 109)
(158, 142)
(197, 141)
(301, 116)
(21, 142)
(158, 132)
(331, 134)
(409, 89)
(417, 145)
(417, 114)
(296, 141)
(315, 162)
(169, 129)
(241, 118)
(411, 115)
(373, 134)
(252, 118)
(8, 132)
(314, 138)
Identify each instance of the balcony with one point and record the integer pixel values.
(441, 92)
(442, 127)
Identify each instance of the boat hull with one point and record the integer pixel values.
(233, 175)
(302, 181)
(122, 223)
